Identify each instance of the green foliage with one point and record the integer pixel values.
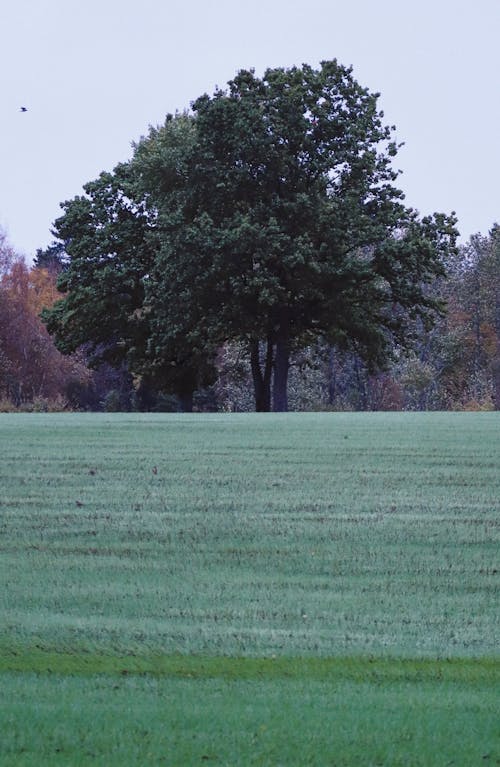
(53, 258)
(105, 237)
(111, 239)
(267, 216)
(289, 227)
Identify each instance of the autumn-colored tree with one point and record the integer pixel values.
(7, 255)
(30, 365)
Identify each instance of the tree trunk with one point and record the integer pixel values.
(332, 375)
(496, 378)
(186, 402)
(262, 378)
(280, 381)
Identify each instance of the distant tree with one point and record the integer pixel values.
(493, 268)
(30, 365)
(454, 365)
(7, 254)
(476, 300)
(53, 258)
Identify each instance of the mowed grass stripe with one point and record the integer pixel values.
(135, 720)
(485, 670)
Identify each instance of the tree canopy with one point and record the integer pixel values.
(268, 215)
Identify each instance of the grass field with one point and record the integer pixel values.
(240, 589)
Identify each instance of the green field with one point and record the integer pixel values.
(286, 589)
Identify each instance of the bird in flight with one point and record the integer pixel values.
(23, 109)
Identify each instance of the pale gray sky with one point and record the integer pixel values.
(95, 74)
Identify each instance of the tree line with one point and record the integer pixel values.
(456, 365)
(256, 253)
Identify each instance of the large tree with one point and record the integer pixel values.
(110, 242)
(269, 215)
(108, 254)
(289, 226)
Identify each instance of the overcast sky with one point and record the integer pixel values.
(94, 74)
